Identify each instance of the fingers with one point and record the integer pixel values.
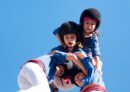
(80, 55)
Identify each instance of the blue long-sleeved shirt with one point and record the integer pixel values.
(93, 75)
(59, 58)
(66, 50)
(91, 45)
(56, 59)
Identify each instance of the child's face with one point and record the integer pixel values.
(79, 78)
(70, 40)
(89, 25)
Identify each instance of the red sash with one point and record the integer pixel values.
(93, 87)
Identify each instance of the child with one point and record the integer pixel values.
(70, 40)
(90, 20)
(92, 82)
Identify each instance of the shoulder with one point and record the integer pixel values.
(60, 47)
(79, 50)
(95, 37)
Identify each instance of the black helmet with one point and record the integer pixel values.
(69, 28)
(92, 13)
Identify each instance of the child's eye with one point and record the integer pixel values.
(66, 37)
(72, 37)
(87, 23)
(93, 24)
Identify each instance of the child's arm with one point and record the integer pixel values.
(76, 61)
(58, 49)
(60, 59)
(96, 53)
(98, 63)
(55, 60)
(87, 62)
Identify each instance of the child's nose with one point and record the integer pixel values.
(89, 26)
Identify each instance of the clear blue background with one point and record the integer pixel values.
(26, 28)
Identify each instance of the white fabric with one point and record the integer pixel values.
(32, 79)
(46, 60)
(96, 91)
(38, 88)
(69, 65)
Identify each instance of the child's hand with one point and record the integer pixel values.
(80, 55)
(71, 57)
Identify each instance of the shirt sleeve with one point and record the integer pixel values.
(55, 60)
(88, 65)
(57, 48)
(95, 47)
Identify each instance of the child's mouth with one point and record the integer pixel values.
(70, 43)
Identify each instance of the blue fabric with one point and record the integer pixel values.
(91, 44)
(93, 75)
(55, 60)
(59, 58)
(60, 48)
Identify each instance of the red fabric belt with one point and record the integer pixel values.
(93, 87)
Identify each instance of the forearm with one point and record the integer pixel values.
(88, 65)
(60, 58)
(76, 61)
(58, 52)
(98, 63)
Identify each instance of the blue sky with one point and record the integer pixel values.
(26, 28)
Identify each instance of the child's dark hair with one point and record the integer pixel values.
(69, 28)
(73, 72)
(92, 13)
